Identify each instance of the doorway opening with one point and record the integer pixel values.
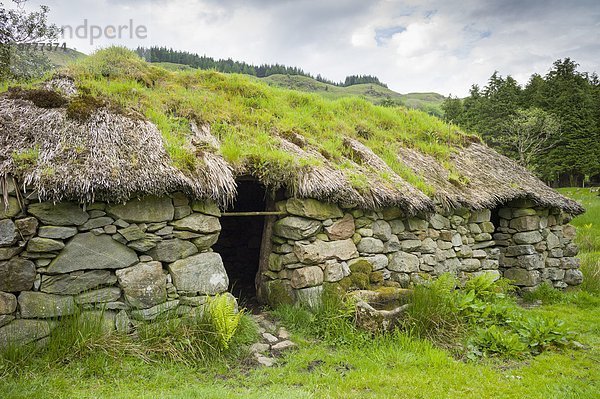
(240, 241)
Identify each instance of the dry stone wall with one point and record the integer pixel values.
(133, 262)
(537, 246)
(320, 244)
(127, 262)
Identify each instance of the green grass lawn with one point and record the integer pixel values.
(394, 366)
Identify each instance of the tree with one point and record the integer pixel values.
(17, 28)
(529, 134)
(453, 109)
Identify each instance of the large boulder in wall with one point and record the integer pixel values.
(87, 252)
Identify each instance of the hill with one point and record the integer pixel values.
(428, 102)
(60, 58)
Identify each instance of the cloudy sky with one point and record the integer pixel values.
(429, 45)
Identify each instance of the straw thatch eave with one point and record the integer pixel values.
(114, 157)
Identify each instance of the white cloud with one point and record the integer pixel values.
(413, 45)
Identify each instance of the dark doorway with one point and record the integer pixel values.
(240, 241)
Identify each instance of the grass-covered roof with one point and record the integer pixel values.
(111, 127)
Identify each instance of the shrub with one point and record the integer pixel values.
(495, 341)
(540, 333)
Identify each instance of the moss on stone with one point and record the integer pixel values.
(345, 283)
(361, 266)
(376, 278)
(278, 294)
(360, 280)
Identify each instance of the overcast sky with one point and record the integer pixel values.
(441, 46)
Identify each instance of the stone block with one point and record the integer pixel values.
(77, 282)
(8, 303)
(107, 294)
(150, 209)
(341, 229)
(522, 277)
(530, 262)
(310, 297)
(319, 251)
(8, 232)
(41, 305)
(573, 277)
(518, 250)
(483, 215)
(439, 222)
(296, 228)
(470, 265)
(38, 244)
(17, 275)
(370, 245)
(202, 273)
(26, 226)
(206, 207)
(416, 224)
(21, 332)
(57, 232)
(61, 214)
(403, 262)
(96, 223)
(334, 271)
(144, 284)
(313, 209)
(307, 277)
(530, 237)
(171, 250)
(525, 223)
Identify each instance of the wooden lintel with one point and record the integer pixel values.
(263, 213)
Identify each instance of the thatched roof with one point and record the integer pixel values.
(114, 155)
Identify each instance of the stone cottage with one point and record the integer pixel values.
(96, 217)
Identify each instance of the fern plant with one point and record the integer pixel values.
(224, 317)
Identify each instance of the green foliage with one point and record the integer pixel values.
(184, 58)
(541, 333)
(550, 125)
(495, 341)
(81, 107)
(482, 314)
(332, 321)
(19, 27)
(224, 317)
(433, 314)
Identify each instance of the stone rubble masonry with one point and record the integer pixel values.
(320, 244)
(121, 262)
(137, 260)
